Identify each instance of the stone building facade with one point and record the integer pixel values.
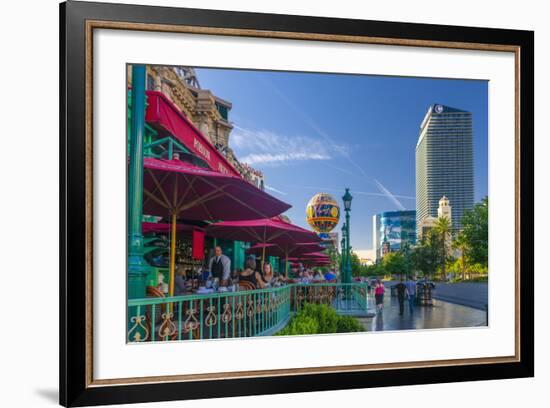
(208, 112)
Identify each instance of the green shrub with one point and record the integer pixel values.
(347, 324)
(301, 325)
(326, 317)
(319, 319)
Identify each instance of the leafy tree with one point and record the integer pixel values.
(461, 244)
(376, 269)
(426, 257)
(356, 268)
(475, 232)
(395, 263)
(442, 231)
(407, 252)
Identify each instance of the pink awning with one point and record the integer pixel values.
(174, 187)
(165, 116)
(315, 255)
(267, 231)
(164, 227)
(278, 250)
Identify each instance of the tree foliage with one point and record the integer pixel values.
(395, 263)
(427, 255)
(475, 233)
(442, 231)
(355, 264)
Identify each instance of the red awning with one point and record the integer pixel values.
(174, 187)
(267, 231)
(164, 227)
(165, 116)
(282, 251)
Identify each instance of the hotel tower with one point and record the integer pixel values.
(444, 163)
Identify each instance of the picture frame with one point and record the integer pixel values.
(78, 20)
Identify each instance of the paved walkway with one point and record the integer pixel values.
(472, 294)
(441, 315)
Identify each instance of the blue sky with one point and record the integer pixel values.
(312, 132)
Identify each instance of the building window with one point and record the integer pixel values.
(222, 110)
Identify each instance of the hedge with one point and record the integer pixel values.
(320, 319)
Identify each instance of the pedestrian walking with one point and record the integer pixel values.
(379, 294)
(411, 288)
(402, 293)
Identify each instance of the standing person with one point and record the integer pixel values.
(411, 288)
(379, 294)
(402, 292)
(220, 266)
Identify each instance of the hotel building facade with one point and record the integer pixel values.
(444, 164)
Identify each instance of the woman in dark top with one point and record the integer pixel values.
(249, 273)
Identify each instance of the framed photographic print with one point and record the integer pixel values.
(256, 204)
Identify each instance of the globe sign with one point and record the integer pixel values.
(322, 212)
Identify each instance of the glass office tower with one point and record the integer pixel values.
(392, 230)
(444, 163)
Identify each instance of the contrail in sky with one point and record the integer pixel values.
(340, 149)
(389, 194)
(274, 189)
(368, 193)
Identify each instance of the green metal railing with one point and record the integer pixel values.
(260, 312)
(345, 298)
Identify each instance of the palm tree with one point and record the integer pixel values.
(442, 229)
(461, 244)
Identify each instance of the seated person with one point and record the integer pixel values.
(307, 276)
(249, 273)
(180, 281)
(330, 276)
(318, 276)
(162, 286)
(265, 278)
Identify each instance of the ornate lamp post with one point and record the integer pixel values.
(347, 208)
(343, 252)
(137, 266)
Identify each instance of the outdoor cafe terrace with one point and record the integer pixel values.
(176, 174)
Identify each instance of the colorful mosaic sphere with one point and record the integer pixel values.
(322, 212)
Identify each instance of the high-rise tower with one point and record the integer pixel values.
(444, 163)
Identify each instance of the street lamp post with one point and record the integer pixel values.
(343, 252)
(347, 198)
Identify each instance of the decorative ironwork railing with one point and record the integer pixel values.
(260, 312)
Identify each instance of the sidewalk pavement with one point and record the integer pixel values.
(441, 315)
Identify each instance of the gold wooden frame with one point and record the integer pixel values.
(99, 24)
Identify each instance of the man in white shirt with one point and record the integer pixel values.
(220, 266)
(411, 288)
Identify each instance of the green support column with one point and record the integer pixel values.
(348, 254)
(347, 198)
(137, 266)
(343, 254)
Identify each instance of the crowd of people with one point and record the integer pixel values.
(217, 273)
(406, 291)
